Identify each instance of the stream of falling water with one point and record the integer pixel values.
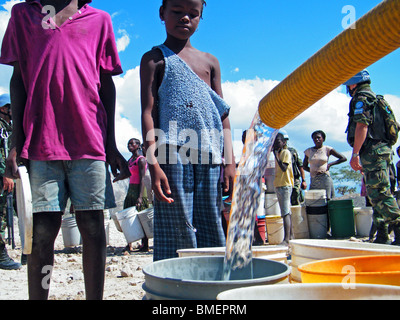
(246, 200)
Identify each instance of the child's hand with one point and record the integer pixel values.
(12, 166)
(119, 166)
(159, 183)
(229, 177)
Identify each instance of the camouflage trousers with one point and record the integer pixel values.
(3, 219)
(375, 163)
(297, 194)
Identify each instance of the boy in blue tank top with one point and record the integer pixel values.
(187, 134)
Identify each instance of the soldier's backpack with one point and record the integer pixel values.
(384, 124)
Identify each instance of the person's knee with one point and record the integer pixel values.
(90, 223)
(46, 226)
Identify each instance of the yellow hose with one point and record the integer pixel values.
(376, 34)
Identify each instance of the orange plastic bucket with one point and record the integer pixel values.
(352, 270)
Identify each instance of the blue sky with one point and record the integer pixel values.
(258, 43)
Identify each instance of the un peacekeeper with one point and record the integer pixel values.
(6, 184)
(371, 156)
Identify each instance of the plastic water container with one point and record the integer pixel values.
(272, 205)
(313, 291)
(146, 220)
(107, 225)
(315, 198)
(353, 270)
(363, 221)
(341, 216)
(300, 222)
(261, 227)
(317, 219)
(275, 230)
(70, 232)
(130, 224)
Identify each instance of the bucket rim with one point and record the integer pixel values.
(277, 277)
(303, 268)
(339, 244)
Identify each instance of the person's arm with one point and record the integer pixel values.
(149, 88)
(142, 173)
(119, 166)
(303, 178)
(359, 138)
(18, 101)
(341, 158)
(229, 157)
(306, 165)
(281, 164)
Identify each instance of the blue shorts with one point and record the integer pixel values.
(86, 182)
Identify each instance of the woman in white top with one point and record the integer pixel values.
(316, 161)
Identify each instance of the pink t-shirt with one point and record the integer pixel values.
(64, 117)
(134, 169)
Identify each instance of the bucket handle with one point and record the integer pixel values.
(272, 205)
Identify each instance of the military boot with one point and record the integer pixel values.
(396, 230)
(6, 262)
(382, 234)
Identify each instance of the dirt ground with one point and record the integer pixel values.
(124, 276)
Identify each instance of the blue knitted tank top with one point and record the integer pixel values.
(189, 110)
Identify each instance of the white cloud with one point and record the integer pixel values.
(123, 41)
(128, 108)
(328, 114)
(244, 96)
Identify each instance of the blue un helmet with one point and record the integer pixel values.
(362, 76)
(4, 100)
(284, 133)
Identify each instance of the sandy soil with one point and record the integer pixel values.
(124, 276)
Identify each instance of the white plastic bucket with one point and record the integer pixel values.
(276, 253)
(275, 230)
(269, 177)
(115, 219)
(70, 232)
(107, 225)
(130, 224)
(300, 222)
(315, 198)
(272, 205)
(261, 208)
(363, 221)
(313, 291)
(308, 250)
(146, 220)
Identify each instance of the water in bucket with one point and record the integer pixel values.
(246, 198)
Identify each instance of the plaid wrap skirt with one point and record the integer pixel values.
(193, 220)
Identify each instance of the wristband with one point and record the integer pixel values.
(355, 155)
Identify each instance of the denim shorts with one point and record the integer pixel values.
(283, 194)
(86, 182)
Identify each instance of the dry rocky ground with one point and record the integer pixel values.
(124, 276)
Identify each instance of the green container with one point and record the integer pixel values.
(341, 217)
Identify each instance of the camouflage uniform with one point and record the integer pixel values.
(3, 199)
(297, 194)
(375, 157)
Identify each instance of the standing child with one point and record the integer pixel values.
(181, 97)
(283, 183)
(63, 106)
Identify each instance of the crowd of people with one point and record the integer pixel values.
(63, 114)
